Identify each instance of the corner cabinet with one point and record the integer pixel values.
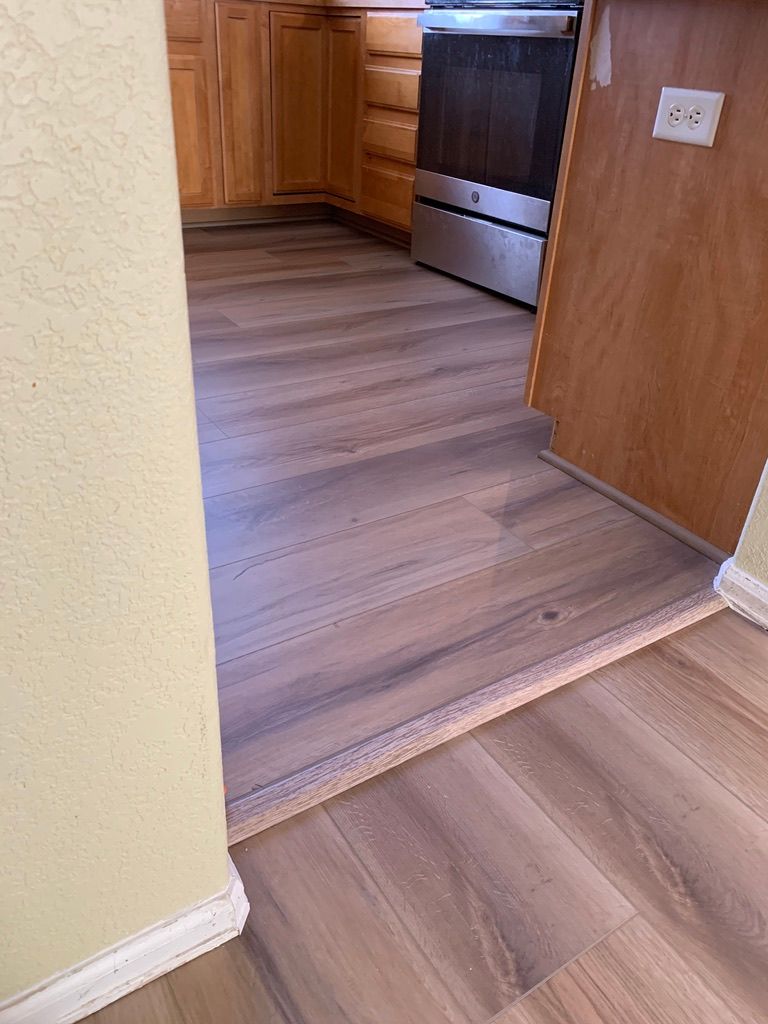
(273, 105)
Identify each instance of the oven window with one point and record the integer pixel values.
(493, 109)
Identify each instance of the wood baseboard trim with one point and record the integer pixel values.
(223, 217)
(744, 593)
(643, 511)
(266, 807)
(399, 236)
(82, 990)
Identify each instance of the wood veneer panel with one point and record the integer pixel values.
(633, 976)
(344, 39)
(240, 93)
(492, 891)
(299, 76)
(653, 357)
(679, 846)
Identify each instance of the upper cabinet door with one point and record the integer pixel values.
(240, 90)
(344, 104)
(298, 74)
(192, 130)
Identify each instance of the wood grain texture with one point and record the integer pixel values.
(691, 703)
(634, 976)
(233, 464)
(288, 707)
(318, 398)
(192, 128)
(262, 601)
(298, 74)
(391, 562)
(652, 336)
(444, 890)
(240, 93)
(676, 843)
(442, 834)
(328, 945)
(259, 519)
(344, 98)
(547, 508)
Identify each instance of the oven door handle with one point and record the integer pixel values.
(548, 24)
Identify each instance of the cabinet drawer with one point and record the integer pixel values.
(387, 190)
(392, 87)
(388, 137)
(395, 34)
(184, 20)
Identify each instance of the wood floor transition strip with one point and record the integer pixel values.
(312, 785)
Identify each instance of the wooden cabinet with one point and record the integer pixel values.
(240, 97)
(194, 100)
(391, 95)
(192, 129)
(272, 105)
(298, 77)
(344, 38)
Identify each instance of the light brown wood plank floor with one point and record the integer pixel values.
(577, 861)
(391, 564)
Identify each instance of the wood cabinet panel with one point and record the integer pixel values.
(298, 77)
(392, 87)
(384, 134)
(240, 91)
(344, 104)
(386, 191)
(652, 351)
(184, 20)
(397, 34)
(192, 129)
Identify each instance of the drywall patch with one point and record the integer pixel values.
(600, 68)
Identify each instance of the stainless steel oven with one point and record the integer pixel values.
(494, 96)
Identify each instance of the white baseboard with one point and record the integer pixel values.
(745, 594)
(79, 991)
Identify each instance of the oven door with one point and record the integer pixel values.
(494, 96)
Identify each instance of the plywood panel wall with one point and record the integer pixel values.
(653, 332)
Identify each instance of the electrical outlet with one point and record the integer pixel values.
(688, 115)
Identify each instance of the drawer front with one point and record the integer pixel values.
(392, 87)
(398, 35)
(492, 255)
(387, 191)
(388, 137)
(184, 20)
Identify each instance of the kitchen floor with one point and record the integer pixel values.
(391, 564)
(598, 856)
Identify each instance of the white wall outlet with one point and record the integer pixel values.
(688, 115)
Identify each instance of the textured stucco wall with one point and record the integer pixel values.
(752, 552)
(111, 771)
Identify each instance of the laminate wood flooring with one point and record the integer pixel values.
(581, 860)
(391, 564)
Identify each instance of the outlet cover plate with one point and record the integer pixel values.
(701, 115)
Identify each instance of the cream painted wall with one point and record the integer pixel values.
(752, 553)
(111, 773)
